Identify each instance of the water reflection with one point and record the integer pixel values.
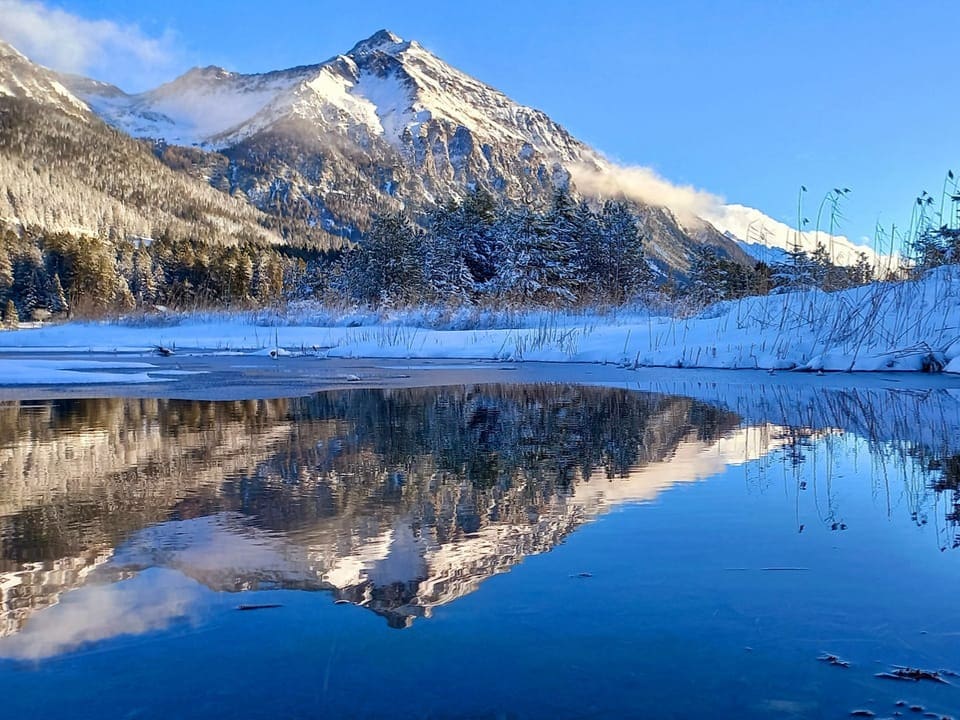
(117, 516)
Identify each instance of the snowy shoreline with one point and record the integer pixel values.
(882, 327)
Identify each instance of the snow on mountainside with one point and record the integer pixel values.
(389, 86)
(769, 240)
(64, 170)
(388, 125)
(22, 79)
(193, 108)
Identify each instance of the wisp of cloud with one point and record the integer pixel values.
(124, 54)
(643, 185)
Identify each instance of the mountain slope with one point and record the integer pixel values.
(386, 126)
(63, 169)
(69, 173)
(22, 79)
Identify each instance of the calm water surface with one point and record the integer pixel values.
(498, 551)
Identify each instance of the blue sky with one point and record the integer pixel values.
(747, 100)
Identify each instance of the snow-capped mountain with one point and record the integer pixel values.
(20, 78)
(419, 130)
(388, 125)
(194, 108)
(389, 87)
(769, 240)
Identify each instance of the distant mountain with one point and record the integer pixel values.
(769, 240)
(386, 126)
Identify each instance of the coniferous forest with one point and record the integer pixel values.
(472, 252)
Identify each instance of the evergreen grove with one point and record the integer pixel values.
(475, 251)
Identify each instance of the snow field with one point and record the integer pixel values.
(906, 326)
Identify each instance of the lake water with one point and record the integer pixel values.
(488, 551)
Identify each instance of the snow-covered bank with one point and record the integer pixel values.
(908, 326)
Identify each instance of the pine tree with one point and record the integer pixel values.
(471, 226)
(862, 271)
(143, 279)
(761, 279)
(933, 248)
(122, 298)
(797, 272)
(591, 255)
(827, 275)
(268, 279)
(6, 270)
(57, 299)
(623, 265)
(558, 247)
(387, 267)
(453, 237)
(522, 277)
(29, 281)
(707, 280)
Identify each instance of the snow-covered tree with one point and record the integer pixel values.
(558, 247)
(57, 299)
(706, 280)
(933, 248)
(524, 274)
(6, 270)
(622, 267)
(143, 278)
(862, 272)
(388, 266)
(797, 272)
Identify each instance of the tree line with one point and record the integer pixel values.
(43, 275)
(714, 278)
(474, 251)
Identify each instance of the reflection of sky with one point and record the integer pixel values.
(152, 600)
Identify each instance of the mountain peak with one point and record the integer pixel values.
(382, 40)
(8, 50)
(210, 72)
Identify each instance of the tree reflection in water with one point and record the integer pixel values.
(398, 500)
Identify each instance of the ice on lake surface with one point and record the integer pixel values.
(519, 551)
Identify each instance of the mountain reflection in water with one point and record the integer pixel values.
(396, 500)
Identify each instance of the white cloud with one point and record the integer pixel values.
(644, 185)
(103, 49)
(151, 601)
